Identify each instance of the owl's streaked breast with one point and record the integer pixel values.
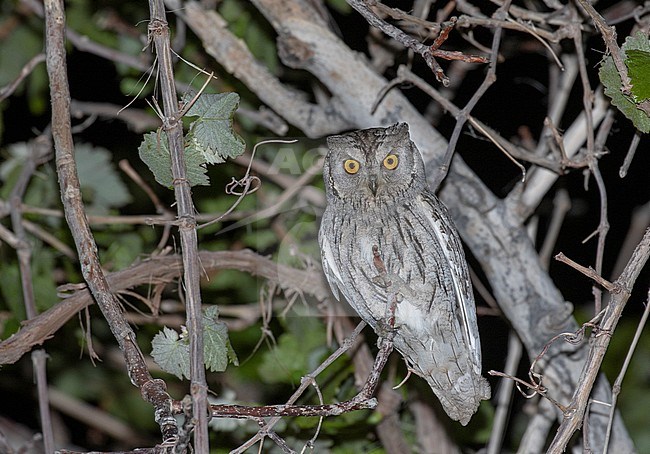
(408, 250)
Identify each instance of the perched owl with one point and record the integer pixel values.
(390, 249)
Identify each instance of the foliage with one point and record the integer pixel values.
(212, 134)
(210, 139)
(154, 151)
(102, 187)
(171, 351)
(637, 51)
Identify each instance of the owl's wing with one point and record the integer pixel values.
(444, 231)
(330, 268)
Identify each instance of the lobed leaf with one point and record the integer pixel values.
(154, 152)
(212, 133)
(217, 348)
(638, 64)
(101, 185)
(171, 352)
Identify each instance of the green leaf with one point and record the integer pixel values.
(154, 151)
(18, 47)
(217, 348)
(171, 352)
(638, 64)
(123, 248)
(612, 83)
(11, 290)
(212, 134)
(101, 186)
(299, 351)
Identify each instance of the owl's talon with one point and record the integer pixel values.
(386, 329)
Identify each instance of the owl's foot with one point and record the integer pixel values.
(386, 329)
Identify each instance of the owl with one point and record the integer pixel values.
(389, 248)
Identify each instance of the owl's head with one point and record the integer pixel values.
(374, 166)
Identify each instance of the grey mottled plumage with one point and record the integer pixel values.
(377, 196)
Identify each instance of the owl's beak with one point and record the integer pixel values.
(373, 184)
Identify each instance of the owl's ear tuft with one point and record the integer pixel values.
(341, 141)
(401, 129)
(333, 141)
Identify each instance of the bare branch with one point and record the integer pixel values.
(8, 90)
(173, 127)
(609, 36)
(620, 293)
(153, 390)
(589, 272)
(157, 269)
(504, 396)
(428, 53)
(616, 387)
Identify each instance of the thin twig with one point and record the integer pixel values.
(94, 417)
(589, 272)
(9, 89)
(603, 224)
(630, 154)
(50, 239)
(561, 206)
(464, 113)
(504, 398)
(248, 184)
(609, 36)
(83, 43)
(24, 253)
(405, 75)
(304, 384)
(428, 53)
(286, 195)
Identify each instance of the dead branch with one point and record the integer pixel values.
(589, 272)
(616, 387)
(609, 36)
(153, 390)
(155, 270)
(428, 53)
(622, 288)
(40, 149)
(7, 90)
(159, 35)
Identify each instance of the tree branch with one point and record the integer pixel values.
(573, 416)
(173, 127)
(159, 269)
(152, 390)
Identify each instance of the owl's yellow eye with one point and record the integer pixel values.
(351, 166)
(391, 161)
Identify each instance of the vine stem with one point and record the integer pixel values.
(172, 125)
